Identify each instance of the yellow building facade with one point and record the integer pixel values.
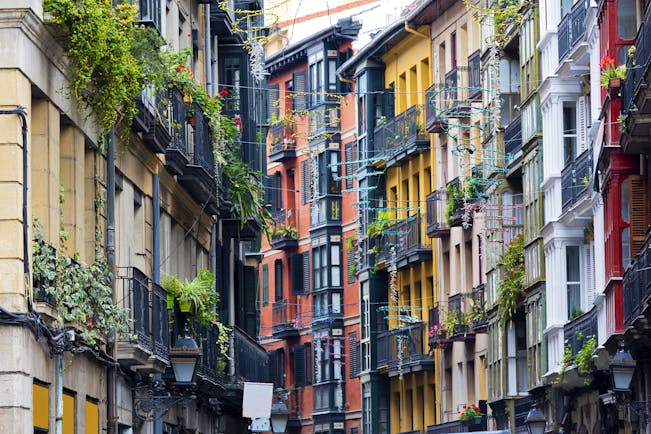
(408, 181)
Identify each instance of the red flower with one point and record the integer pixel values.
(238, 122)
(224, 92)
(189, 35)
(179, 68)
(607, 62)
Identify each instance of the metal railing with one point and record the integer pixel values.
(637, 282)
(400, 132)
(281, 137)
(179, 116)
(571, 29)
(635, 73)
(402, 346)
(436, 221)
(406, 237)
(478, 297)
(575, 178)
(133, 295)
(160, 321)
(284, 315)
(203, 152)
(250, 359)
(448, 427)
(513, 137)
(580, 329)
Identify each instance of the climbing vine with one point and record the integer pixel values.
(512, 286)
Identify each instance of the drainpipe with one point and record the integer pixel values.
(415, 32)
(110, 259)
(208, 50)
(59, 392)
(20, 111)
(158, 412)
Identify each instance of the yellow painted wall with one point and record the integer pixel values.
(92, 418)
(68, 414)
(409, 70)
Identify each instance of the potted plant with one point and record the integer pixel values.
(195, 296)
(611, 76)
(471, 415)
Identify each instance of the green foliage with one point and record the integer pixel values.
(452, 321)
(566, 362)
(583, 360)
(245, 192)
(107, 52)
(285, 231)
(477, 312)
(512, 286)
(199, 291)
(82, 293)
(383, 220)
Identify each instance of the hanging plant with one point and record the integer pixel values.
(197, 293)
(511, 286)
(583, 359)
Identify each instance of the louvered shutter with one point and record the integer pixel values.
(388, 103)
(308, 363)
(581, 133)
(299, 365)
(296, 268)
(268, 189)
(350, 261)
(589, 274)
(305, 182)
(639, 200)
(272, 102)
(306, 273)
(353, 355)
(280, 367)
(348, 166)
(300, 92)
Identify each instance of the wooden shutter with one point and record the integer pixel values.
(296, 268)
(305, 182)
(349, 168)
(272, 102)
(581, 127)
(267, 183)
(388, 103)
(300, 92)
(265, 285)
(299, 365)
(353, 355)
(308, 363)
(639, 210)
(306, 273)
(278, 280)
(280, 367)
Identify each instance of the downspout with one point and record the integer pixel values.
(20, 111)
(59, 392)
(158, 412)
(208, 50)
(415, 32)
(110, 259)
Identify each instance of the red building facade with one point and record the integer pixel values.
(309, 297)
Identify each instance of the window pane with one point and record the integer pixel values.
(626, 215)
(573, 272)
(626, 21)
(626, 247)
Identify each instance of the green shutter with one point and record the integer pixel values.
(265, 285)
(299, 365)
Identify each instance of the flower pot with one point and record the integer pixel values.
(614, 85)
(186, 306)
(170, 302)
(191, 120)
(476, 420)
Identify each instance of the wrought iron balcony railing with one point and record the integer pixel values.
(408, 240)
(580, 329)
(513, 138)
(437, 225)
(637, 282)
(402, 348)
(284, 318)
(401, 136)
(575, 179)
(133, 292)
(250, 359)
(571, 29)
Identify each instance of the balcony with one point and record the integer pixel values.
(176, 154)
(284, 235)
(403, 137)
(580, 329)
(437, 225)
(145, 350)
(575, 179)
(323, 119)
(153, 125)
(282, 145)
(284, 319)
(402, 350)
(221, 20)
(249, 358)
(637, 285)
(406, 237)
(571, 29)
(437, 338)
(459, 308)
(198, 176)
(636, 96)
(326, 211)
(448, 427)
(513, 139)
(454, 97)
(477, 316)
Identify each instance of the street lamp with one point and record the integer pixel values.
(279, 417)
(184, 358)
(622, 368)
(535, 421)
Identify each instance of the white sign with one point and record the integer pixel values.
(257, 400)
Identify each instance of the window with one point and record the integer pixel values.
(626, 20)
(321, 358)
(305, 182)
(278, 279)
(232, 81)
(150, 12)
(569, 131)
(276, 192)
(273, 108)
(41, 407)
(453, 50)
(326, 258)
(92, 416)
(265, 285)
(573, 280)
(316, 84)
(68, 413)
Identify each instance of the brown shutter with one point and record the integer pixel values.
(639, 200)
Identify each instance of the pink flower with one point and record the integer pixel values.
(238, 122)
